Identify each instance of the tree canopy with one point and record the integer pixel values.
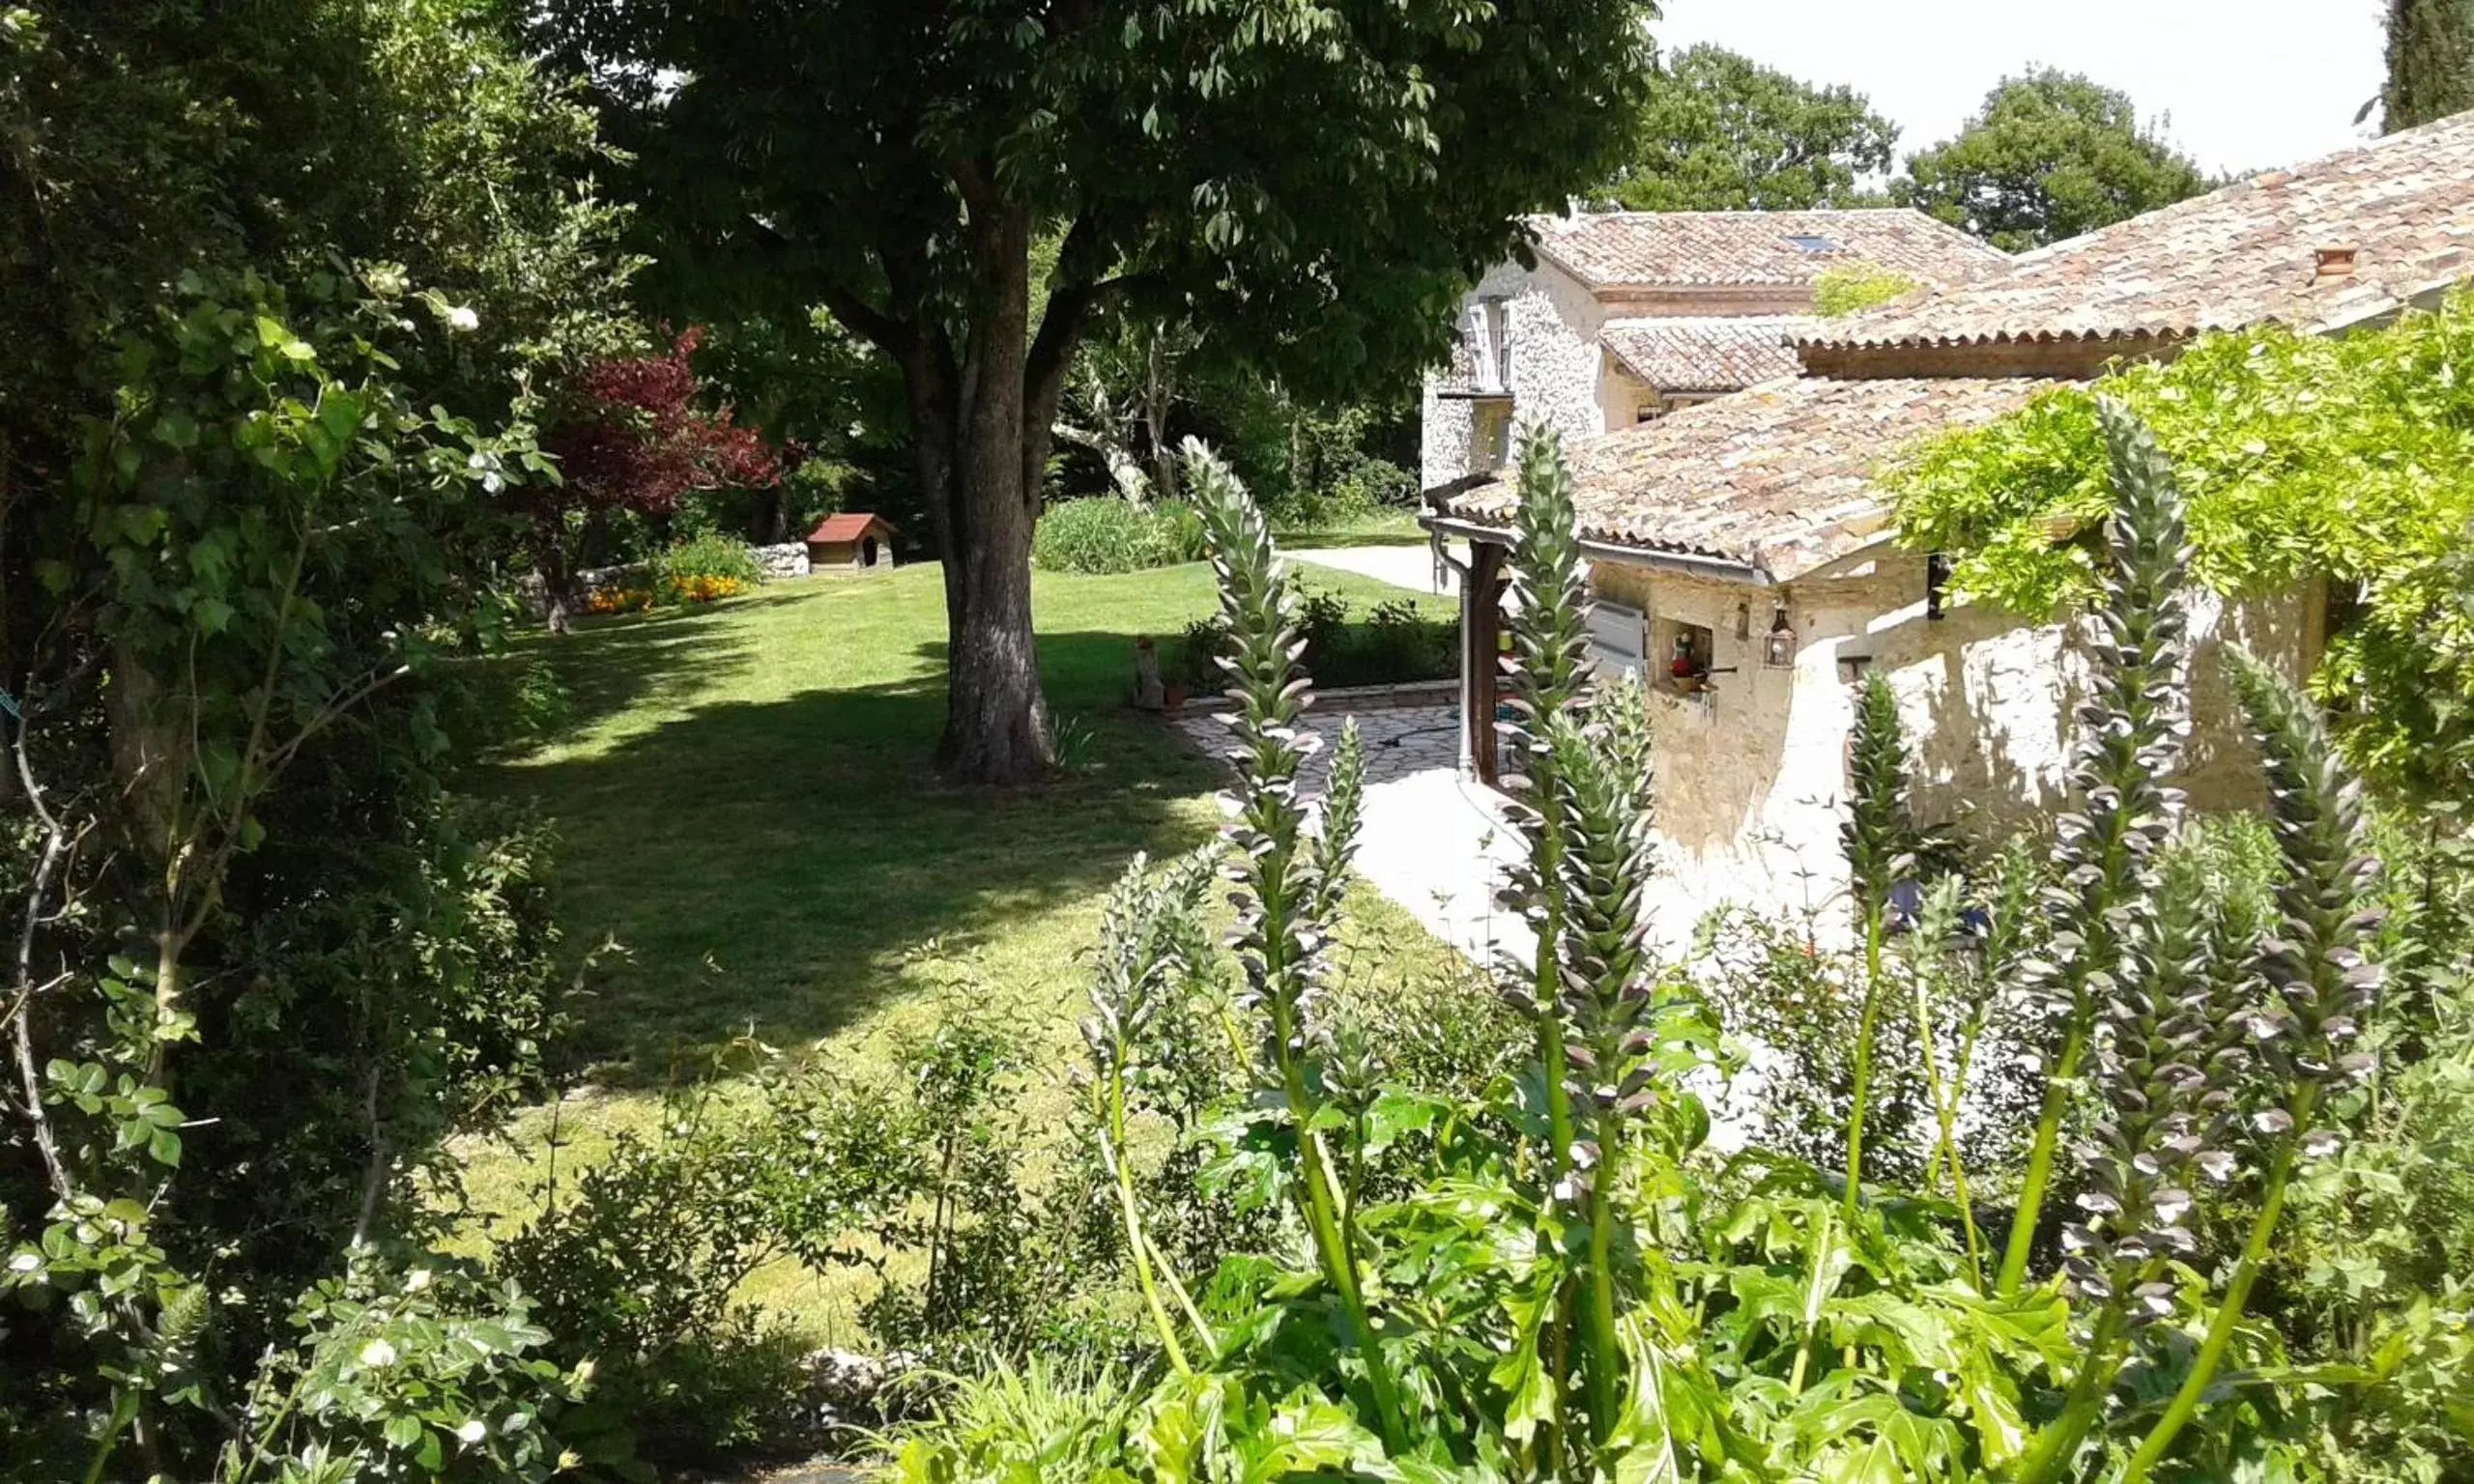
(1310, 185)
(2051, 155)
(1721, 132)
(2430, 61)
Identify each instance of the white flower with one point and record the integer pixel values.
(417, 1280)
(377, 1353)
(461, 318)
(473, 1430)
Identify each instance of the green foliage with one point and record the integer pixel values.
(1560, 1278)
(712, 556)
(1843, 291)
(422, 1372)
(2349, 459)
(1103, 534)
(2049, 155)
(634, 1271)
(1041, 1420)
(1720, 133)
(278, 280)
(1395, 643)
(2431, 62)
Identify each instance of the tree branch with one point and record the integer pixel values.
(886, 331)
(55, 847)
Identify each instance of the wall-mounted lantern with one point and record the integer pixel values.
(1778, 646)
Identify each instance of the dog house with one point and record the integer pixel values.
(852, 542)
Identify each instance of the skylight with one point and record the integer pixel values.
(1811, 243)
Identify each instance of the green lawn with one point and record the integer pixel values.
(746, 802)
(1386, 527)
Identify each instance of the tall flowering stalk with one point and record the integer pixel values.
(1880, 841)
(1290, 881)
(2134, 730)
(2165, 1055)
(1581, 792)
(1151, 945)
(1605, 997)
(2320, 985)
(1547, 671)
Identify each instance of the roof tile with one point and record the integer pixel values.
(1704, 353)
(2237, 256)
(1661, 249)
(1778, 477)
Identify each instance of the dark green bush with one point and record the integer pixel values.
(1104, 534)
(1393, 643)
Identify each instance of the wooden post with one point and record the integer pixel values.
(1481, 599)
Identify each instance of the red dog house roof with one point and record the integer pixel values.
(849, 526)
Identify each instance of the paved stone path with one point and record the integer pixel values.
(1433, 842)
(1402, 566)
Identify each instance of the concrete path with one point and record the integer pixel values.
(1402, 566)
(1432, 840)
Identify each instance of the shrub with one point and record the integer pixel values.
(421, 1371)
(636, 1269)
(1103, 534)
(704, 567)
(1395, 644)
(1848, 289)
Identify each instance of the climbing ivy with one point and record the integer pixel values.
(2350, 458)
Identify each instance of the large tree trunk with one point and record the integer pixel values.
(982, 422)
(996, 722)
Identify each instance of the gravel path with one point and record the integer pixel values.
(1402, 566)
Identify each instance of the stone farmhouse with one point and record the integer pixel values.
(1627, 316)
(1745, 559)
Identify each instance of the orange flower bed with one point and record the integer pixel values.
(705, 590)
(619, 600)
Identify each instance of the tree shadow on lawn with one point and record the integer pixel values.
(609, 665)
(768, 865)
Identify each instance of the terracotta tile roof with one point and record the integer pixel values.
(1704, 353)
(851, 526)
(2233, 257)
(1661, 249)
(1778, 477)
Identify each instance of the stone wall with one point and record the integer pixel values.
(1552, 321)
(1750, 772)
(789, 559)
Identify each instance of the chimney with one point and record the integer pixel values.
(2335, 262)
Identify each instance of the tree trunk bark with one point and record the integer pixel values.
(1159, 396)
(996, 721)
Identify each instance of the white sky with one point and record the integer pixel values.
(2239, 84)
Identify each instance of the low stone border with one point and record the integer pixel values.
(1365, 698)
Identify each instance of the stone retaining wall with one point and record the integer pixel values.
(789, 559)
(1367, 697)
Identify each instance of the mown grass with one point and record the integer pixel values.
(746, 804)
(1384, 527)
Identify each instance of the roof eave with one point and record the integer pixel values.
(1602, 549)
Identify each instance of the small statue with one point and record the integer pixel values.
(1148, 693)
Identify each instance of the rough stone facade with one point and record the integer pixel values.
(1560, 375)
(787, 559)
(1758, 759)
